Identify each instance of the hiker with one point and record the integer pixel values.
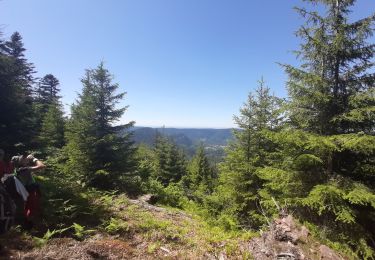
(11, 183)
(25, 165)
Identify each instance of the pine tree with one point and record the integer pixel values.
(49, 113)
(201, 177)
(100, 152)
(336, 72)
(22, 70)
(48, 90)
(16, 79)
(53, 125)
(170, 161)
(203, 172)
(325, 171)
(250, 151)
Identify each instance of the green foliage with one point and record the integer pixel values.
(53, 125)
(362, 110)
(335, 74)
(322, 179)
(227, 222)
(47, 96)
(170, 164)
(115, 226)
(317, 161)
(100, 153)
(307, 161)
(339, 198)
(80, 232)
(152, 247)
(251, 150)
(314, 155)
(358, 143)
(361, 195)
(279, 183)
(48, 90)
(329, 199)
(326, 152)
(172, 195)
(18, 121)
(146, 162)
(47, 236)
(65, 201)
(201, 178)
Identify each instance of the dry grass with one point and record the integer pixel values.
(137, 230)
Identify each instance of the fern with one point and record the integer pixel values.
(47, 236)
(80, 232)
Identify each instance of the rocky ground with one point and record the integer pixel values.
(287, 240)
(145, 231)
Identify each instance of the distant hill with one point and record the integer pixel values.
(188, 138)
(185, 136)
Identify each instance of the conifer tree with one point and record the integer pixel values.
(170, 161)
(250, 151)
(53, 125)
(47, 92)
(336, 73)
(201, 178)
(325, 171)
(98, 150)
(22, 70)
(49, 113)
(16, 79)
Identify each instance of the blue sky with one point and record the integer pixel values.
(183, 63)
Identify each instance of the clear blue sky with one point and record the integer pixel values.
(184, 63)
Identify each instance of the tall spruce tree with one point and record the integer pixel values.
(22, 70)
(53, 126)
(332, 92)
(201, 178)
(250, 151)
(98, 150)
(16, 79)
(47, 92)
(49, 113)
(326, 168)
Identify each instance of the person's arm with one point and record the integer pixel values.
(39, 165)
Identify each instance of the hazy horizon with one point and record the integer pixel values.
(183, 127)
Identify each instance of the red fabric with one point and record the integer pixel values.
(32, 205)
(2, 168)
(5, 168)
(10, 168)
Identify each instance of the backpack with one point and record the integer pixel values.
(10, 186)
(7, 210)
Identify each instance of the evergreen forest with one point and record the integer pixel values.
(310, 155)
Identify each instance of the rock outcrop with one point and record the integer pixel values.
(287, 240)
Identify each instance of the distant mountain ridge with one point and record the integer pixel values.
(184, 136)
